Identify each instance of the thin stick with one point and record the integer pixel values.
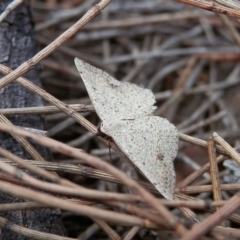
(9, 9)
(229, 208)
(136, 21)
(132, 232)
(84, 192)
(52, 201)
(233, 153)
(25, 143)
(96, 162)
(191, 178)
(213, 7)
(214, 171)
(200, 142)
(26, 66)
(29, 233)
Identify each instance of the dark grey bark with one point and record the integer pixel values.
(17, 44)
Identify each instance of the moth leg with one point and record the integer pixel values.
(100, 133)
(108, 138)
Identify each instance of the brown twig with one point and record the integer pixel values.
(213, 7)
(203, 227)
(26, 66)
(214, 171)
(93, 161)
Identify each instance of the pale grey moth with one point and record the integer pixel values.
(125, 109)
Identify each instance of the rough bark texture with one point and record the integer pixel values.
(17, 44)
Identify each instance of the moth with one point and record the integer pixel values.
(126, 111)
